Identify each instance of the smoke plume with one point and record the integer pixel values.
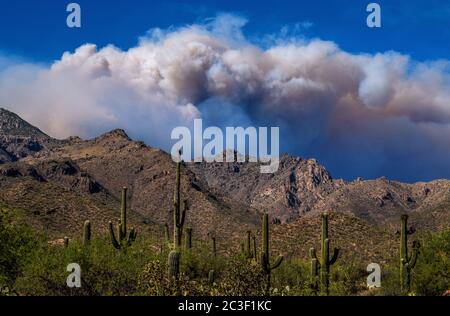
(360, 114)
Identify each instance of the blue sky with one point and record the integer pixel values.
(36, 29)
(363, 101)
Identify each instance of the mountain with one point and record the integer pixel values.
(59, 184)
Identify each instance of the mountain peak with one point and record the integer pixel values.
(120, 133)
(13, 125)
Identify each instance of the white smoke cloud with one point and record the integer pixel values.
(360, 114)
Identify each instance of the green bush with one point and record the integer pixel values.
(241, 277)
(431, 276)
(348, 279)
(17, 241)
(105, 271)
(292, 278)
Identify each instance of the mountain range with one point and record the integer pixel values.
(60, 183)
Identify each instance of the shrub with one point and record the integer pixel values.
(432, 272)
(241, 277)
(105, 271)
(17, 241)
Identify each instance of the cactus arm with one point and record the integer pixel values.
(335, 256)
(277, 263)
(313, 255)
(412, 261)
(114, 241)
(132, 236)
(314, 277)
(167, 234)
(314, 267)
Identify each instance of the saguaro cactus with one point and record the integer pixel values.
(179, 214)
(314, 271)
(407, 263)
(211, 277)
(174, 264)
(265, 253)
(214, 248)
(66, 242)
(255, 255)
(325, 262)
(188, 239)
(87, 233)
(166, 233)
(247, 246)
(124, 239)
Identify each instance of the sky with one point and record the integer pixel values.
(365, 102)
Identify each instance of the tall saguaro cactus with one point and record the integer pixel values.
(124, 239)
(325, 262)
(179, 214)
(87, 233)
(407, 263)
(265, 253)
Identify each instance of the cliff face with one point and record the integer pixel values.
(291, 192)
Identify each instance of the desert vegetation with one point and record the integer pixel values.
(126, 264)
